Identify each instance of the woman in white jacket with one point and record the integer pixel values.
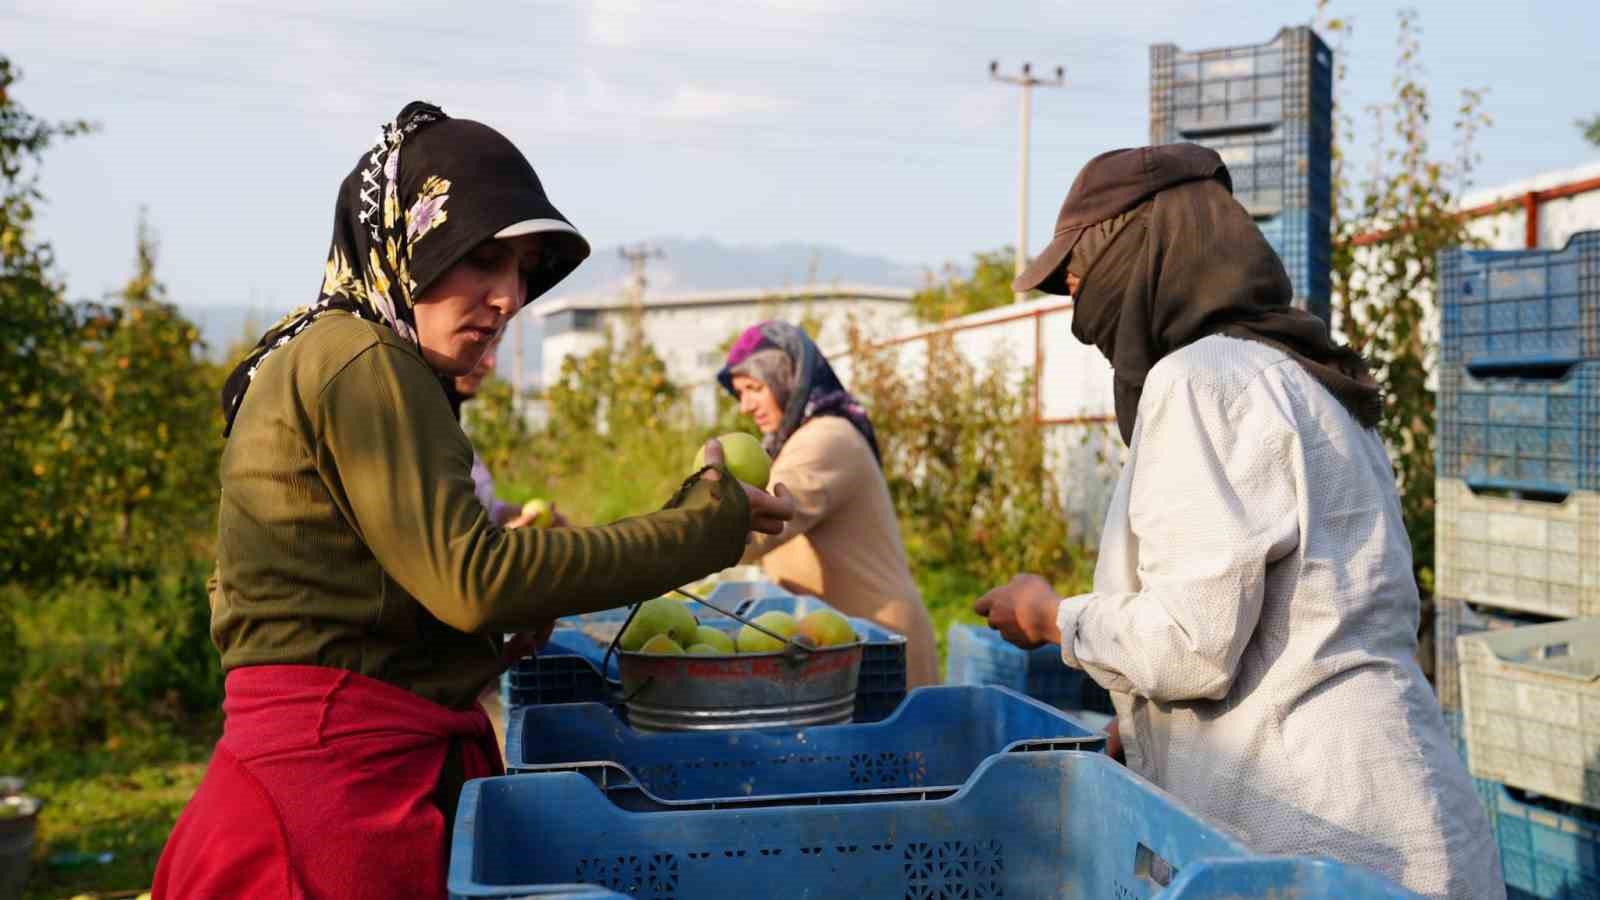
(1254, 613)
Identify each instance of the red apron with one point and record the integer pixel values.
(322, 787)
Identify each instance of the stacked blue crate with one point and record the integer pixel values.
(1507, 308)
(1267, 109)
(978, 655)
(1519, 509)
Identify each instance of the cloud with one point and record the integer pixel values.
(693, 103)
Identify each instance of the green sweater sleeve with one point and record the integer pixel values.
(400, 469)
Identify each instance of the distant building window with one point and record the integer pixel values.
(571, 320)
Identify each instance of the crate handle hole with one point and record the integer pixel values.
(1554, 651)
(1487, 489)
(1554, 369)
(1149, 865)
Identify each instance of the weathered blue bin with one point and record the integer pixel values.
(1050, 824)
(937, 738)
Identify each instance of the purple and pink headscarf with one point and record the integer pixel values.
(787, 361)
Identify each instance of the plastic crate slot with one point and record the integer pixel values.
(1490, 489)
(1149, 865)
(954, 869)
(1539, 369)
(1255, 126)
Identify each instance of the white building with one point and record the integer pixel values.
(689, 331)
(1538, 212)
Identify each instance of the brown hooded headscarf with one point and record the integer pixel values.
(1166, 256)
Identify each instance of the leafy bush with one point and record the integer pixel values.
(966, 463)
(618, 439)
(98, 665)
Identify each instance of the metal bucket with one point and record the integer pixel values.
(17, 825)
(726, 693)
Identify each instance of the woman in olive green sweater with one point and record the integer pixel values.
(362, 592)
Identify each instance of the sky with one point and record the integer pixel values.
(871, 126)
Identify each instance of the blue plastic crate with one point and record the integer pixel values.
(879, 690)
(554, 676)
(1503, 308)
(1024, 825)
(1267, 109)
(1300, 238)
(979, 655)
(1548, 849)
(1520, 433)
(1283, 878)
(937, 738)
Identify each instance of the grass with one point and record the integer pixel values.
(949, 594)
(123, 801)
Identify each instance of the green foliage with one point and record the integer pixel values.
(38, 357)
(154, 449)
(966, 464)
(125, 804)
(617, 441)
(109, 455)
(1383, 289)
(616, 387)
(1591, 129)
(99, 665)
(108, 480)
(498, 432)
(987, 287)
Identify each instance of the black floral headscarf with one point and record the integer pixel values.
(399, 225)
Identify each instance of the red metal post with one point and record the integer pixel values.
(1530, 220)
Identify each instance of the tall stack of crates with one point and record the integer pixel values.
(1517, 554)
(1268, 110)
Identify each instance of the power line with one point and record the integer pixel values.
(755, 63)
(743, 130)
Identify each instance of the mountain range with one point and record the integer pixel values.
(684, 264)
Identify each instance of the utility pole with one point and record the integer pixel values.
(638, 257)
(1027, 81)
(516, 365)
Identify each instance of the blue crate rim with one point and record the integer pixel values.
(916, 794)
(1225, 845)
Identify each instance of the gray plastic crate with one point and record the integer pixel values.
(1531, 704)
(1530, 555)
(1453, 618)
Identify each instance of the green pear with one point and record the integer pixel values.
(827, 628)
(751, 640)
(661, 645)
(660, 615)
(544, 515)
(704, 650)
(746, 458)
(715, 637)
